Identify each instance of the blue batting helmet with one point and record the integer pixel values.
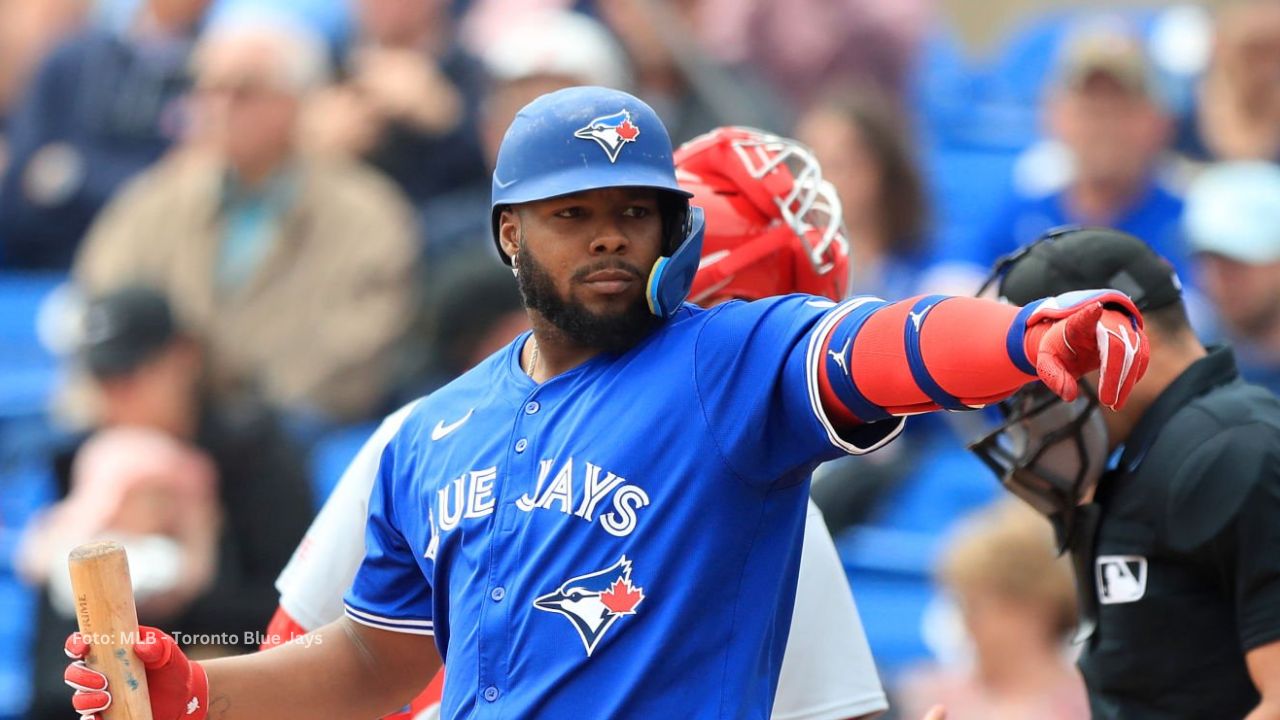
(588, 138)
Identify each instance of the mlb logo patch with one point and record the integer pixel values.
(1121, 578)
(610, 132)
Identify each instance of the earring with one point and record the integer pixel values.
(515, 265)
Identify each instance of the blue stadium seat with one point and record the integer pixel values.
(949, 483)
(25, 486)
(960, 105)
(27, 376)
(17, 605)
(1029, 54)
(969, 186)
(332, 20)
(890, 560)
(890, 573)
(943, 86)
(27, 369)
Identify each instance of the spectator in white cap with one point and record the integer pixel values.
(1232, 223)
(559, 43)
(545, 51)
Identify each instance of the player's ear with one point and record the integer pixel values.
(509, 230)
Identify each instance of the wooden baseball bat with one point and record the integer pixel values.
(106, 613)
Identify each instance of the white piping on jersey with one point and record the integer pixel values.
(815, 356)
(413, 627)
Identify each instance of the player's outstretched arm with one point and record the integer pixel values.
(936, 352)
(340, 671)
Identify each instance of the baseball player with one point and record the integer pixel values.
(604, 518)
(750, 251)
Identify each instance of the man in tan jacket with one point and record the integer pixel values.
(300, 273)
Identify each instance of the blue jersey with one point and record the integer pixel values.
(622, 540)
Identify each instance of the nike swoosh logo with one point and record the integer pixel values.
(503, 185)
(440, 430)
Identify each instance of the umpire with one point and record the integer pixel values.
(1170, 507)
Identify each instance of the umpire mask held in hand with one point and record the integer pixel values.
(1048, 452)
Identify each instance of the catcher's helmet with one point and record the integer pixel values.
(1049, 452)
(774, 225)
(588, 138)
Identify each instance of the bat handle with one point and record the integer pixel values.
(107, 616)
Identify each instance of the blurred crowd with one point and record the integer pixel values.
(246, 229)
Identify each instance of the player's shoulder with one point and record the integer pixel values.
(796, 304)
(776, 318)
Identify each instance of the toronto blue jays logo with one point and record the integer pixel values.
(592, 603)
(611, 132)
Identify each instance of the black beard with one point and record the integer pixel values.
(615, 333)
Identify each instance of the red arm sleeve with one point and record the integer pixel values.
(963, 345)
(281, 630)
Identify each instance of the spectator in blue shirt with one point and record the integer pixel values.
(102, 107)
(1105, 113)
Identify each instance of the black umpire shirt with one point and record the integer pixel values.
(1185, 569)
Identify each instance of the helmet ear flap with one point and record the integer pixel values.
(672, 275)
(675, 221)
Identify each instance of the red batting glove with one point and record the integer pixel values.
(178, 687)
(1091, 330)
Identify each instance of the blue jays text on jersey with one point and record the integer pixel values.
(622, 540)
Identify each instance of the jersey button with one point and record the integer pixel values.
(491, 693)
(521, 444)
(498, 593)
(532, 408)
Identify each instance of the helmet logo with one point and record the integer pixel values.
(610, 132)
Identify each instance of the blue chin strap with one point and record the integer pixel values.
(672, 277)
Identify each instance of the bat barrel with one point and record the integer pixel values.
(106, 614)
